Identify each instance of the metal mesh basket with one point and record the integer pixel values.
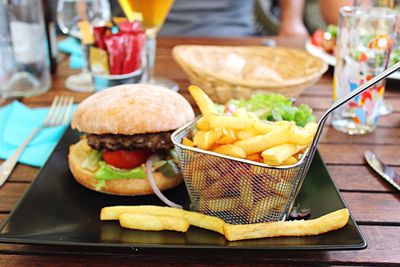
(238, 191)
(242, 191)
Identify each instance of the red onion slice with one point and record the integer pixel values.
(150, 178)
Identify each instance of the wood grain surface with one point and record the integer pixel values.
(374, 204)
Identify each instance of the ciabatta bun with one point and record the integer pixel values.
(132, 109)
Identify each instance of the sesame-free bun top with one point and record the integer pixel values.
(132, 109)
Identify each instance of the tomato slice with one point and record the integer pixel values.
(124, 159)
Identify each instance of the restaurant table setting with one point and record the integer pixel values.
(232, 159)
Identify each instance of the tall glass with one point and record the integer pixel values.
(363, 50)
(69, 13)
(386, 108)
(154, 13)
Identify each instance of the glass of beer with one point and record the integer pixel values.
(153, 13)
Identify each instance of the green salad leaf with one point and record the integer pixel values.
(276, 107)
(394, 56)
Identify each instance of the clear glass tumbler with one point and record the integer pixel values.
(363, 50)
(24, 63)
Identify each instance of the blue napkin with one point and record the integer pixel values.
(16, 123)
(72, 46)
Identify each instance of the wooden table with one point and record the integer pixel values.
(374, 204)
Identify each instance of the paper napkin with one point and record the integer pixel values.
(16, 123)
(72, 46)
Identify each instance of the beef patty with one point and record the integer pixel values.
(150, 141)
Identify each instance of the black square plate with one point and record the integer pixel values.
(56, 210)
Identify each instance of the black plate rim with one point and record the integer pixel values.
(12, 240)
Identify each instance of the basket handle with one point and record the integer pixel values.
(334, 106)
(348, 97)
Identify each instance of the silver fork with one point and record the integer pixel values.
(58, 114)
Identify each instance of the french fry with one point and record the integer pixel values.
(198, 180)
(260, 209)
(290, 161)
(205, 221)
(228, 136)
(219, 132)
(278, 154)
(246, 192)
(264, 127)
(157, 218)
(187, 142)
(206, 105)
(196, 219)
(198, 137)
(203, 123)
(223, 204)
(113, 212)
(255, 157)
(244, 134)
(205, 139)
(311, 127)
(208, 140)
(148, 222)
(260, 143)
(236, 123)
(214, 190)
(304, 136)
(329, 222)
(230, 150)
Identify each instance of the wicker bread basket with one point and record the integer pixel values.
(226, 72)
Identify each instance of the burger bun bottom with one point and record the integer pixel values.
(135, 187)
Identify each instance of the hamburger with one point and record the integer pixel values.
(123, 127)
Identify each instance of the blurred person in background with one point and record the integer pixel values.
(233, 18)
(330, 9)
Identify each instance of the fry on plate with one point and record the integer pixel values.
(156, 218)
(196, 219)
(329, 222)
(147, 222)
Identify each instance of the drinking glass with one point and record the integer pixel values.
(385, 107)
(24, 68)
(154, 13)
(69, 13)
(363, 49)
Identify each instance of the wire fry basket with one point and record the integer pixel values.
(241, 191)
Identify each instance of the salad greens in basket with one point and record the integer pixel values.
(274, 107)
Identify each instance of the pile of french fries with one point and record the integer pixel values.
(156, 218)
(244, 136)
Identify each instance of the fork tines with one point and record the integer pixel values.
(59, 111)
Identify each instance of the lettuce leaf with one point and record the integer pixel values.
(107, 172)
(276, 107)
